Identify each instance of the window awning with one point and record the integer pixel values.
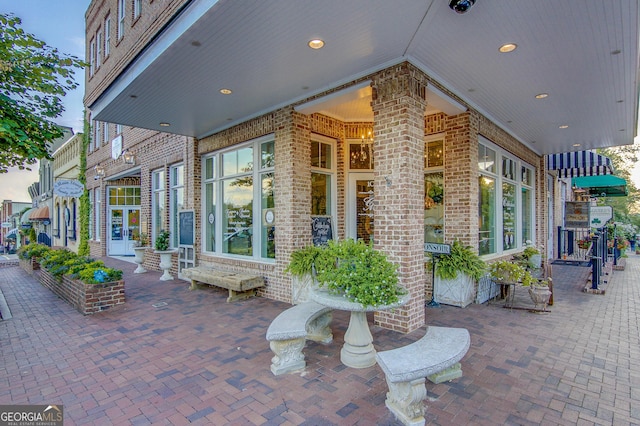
(579, 163)
(26, 216)
(11, 235)
(602, 186)
(41, 213)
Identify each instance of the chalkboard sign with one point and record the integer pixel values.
(321, 230)
(187, 228)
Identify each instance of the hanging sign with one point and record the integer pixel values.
(68, 188)
(599, 215)
(437, 248)
(576, 214)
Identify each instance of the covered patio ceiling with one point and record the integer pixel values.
(584, 55)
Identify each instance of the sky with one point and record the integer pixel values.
(60, 23)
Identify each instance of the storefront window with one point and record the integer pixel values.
(506, 203)
(246, 210)
(176, 200)
(434, 191)
(487, 215)
(323, 179)
(158, 203)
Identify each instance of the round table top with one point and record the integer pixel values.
(341, 303)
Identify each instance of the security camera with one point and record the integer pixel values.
(461, 6)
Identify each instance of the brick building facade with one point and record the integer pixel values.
(274, 192)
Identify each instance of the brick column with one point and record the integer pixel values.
(399, 102)
(293, 195)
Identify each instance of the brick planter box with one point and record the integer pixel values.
(86, 298)
(30, 265)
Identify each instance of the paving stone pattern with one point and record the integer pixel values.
(195, 359)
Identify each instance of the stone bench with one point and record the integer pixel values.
(435, 356)
(289, 331)
(240, 286)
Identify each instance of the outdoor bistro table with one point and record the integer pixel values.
(358, 350)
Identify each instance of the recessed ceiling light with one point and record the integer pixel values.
(577, 144)
(196, 43)
(542, 95)
(316, 43)
(620, 101)
(226, 91)
(622, 130)
(133, 96)
(616, 52)
(508, 47)
(563, 126)
(164, 124)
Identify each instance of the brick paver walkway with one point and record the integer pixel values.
(174, 356)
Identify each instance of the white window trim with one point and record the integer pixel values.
(333, 172)
(173, 210)
(257, 196)
(154, 209)
(92, 57)
(137, 8)
(500, 179)
(121, 17)
(107, 37)
(97, 211)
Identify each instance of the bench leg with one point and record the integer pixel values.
(288, 356)
(319, 329)
(194, 285)
(406, 401)
(446, 375)
(240, 295)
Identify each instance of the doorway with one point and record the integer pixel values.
(122, 225)
(360, 207)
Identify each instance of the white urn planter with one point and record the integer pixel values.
(139, 259)
(535, 261)
(165, 264)
(460, 291)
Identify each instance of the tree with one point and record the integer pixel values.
(33, 78)
(624, 159)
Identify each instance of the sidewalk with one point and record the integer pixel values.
(174, 356)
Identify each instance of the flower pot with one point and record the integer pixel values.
(535, 261)
(139, 259)
(460, 291)
(165, 264)
(540, 296)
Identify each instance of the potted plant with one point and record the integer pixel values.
(540, 293)
(301, 268)
(352, 269)
(456, 275)
(162, 248)
(532, 256)
(140, 242)
(506, 272)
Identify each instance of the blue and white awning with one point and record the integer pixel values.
(579, 163)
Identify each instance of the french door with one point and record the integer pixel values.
(122, 225)
(360, 211)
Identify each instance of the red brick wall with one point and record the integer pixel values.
(86, 298)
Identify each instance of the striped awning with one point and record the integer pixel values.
(41, 213)
(579, 163)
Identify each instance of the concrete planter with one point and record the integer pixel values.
(166, 263)
(86, 298)
(139, 259)
(460, 291)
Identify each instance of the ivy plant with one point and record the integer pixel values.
(462, 259)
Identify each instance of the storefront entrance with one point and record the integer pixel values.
(123, 220)
(360, 214)
(123, 226)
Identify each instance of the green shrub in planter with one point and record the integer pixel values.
(99, 275)
(33, 250)
(350, 268)
(162, 241)
(462, 259)
(55, 260)
(510, 272)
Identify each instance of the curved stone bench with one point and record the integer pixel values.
(289, 331)
(435, 356)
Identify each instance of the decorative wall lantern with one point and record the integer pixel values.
(128, 157)
(99, 172)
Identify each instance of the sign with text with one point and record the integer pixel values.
(187, 227)
(599, 215)
(437, 248)
(68, 188)
(321, 230)
(576, 214)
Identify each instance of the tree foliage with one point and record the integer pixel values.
(33, 79)
(624, 159)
